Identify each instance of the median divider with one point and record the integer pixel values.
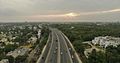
(47, 58)
(58, 55)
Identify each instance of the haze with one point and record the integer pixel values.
(59, 10)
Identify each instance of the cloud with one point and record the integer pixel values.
(100, 12)
(74, 14)
(15, 7)
(44, 9)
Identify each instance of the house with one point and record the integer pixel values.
(18, 52)
(32, 40)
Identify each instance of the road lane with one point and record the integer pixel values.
(58, 53)
(52, 56)
(65, 57)
(73, 53)
(58, 50)
(45, 50)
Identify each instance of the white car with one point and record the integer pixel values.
(61, 53)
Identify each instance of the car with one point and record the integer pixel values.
(54, 52)
(56, 40)
(61, 53)
(56, 48)
(42, 57)
(70, 49)
(72, 56)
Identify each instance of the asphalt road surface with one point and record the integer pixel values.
(57, 50)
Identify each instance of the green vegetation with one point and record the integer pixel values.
(81, 32)
(97, 57)
(7, 49)
(10, 47)
(20, 59)
(44, 33)
(13, 36)
(113, 54)
(41, 43)
(11, 59)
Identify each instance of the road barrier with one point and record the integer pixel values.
(58, 55)
(75, 53)
(43, 51)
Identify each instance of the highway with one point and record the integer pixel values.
(58, 50)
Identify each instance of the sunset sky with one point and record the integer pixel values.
(59, 10)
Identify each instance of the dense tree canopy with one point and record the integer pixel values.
(80, 32)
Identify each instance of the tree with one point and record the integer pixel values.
(113, 54)
(10, 47)
(96, 57)
(10, 58)
(20, 59)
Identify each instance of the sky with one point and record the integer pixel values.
(59, 10)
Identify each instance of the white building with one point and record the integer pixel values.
(32, 40)
(106, 41)
(18, 52)
(39, 33)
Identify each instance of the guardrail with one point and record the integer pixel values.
(75, 53)
(43, 51)
(67, 50)
(47, 58)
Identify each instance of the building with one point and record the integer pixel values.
(18, 52)
(32, 40)
(106, 41)
(39, 33)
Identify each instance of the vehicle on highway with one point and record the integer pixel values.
(56, 48)
(61, 53)
(42, 57)
(54, 52)
(70, 49)
(72, 56)
(56, 40)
